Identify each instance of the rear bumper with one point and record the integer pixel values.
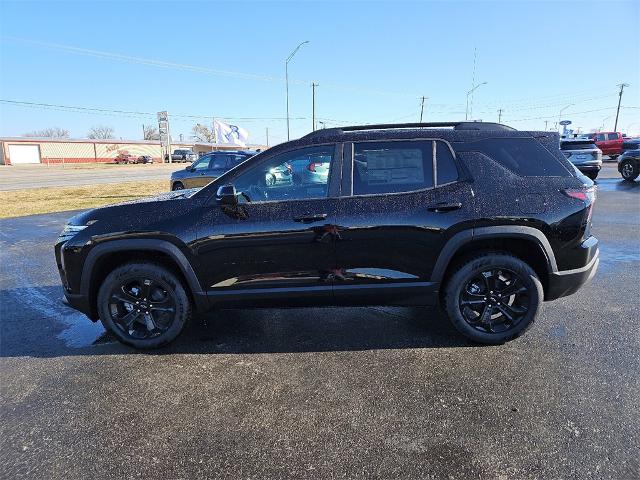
(589, 168)
(567, 282)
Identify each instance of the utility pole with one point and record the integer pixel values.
(622, 85)
(499, 115)
(313, 106)
(143, 132)
(267, 137)
(422, 107)
(545, 125)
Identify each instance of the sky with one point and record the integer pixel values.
(79, 64)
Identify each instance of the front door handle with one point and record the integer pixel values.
(311, 218)
(444, 207)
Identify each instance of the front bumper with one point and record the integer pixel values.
(567, 282)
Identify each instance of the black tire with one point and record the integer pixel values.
(177, 186)
(144, 305)
(630, 170)
(466, 296)
(592, 175)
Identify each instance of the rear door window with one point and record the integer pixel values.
(612, 136)
(523, 156)
(392, 167)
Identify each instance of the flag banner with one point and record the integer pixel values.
(230, 134)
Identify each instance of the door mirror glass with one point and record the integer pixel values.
(227, 195)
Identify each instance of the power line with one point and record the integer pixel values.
(129, 113)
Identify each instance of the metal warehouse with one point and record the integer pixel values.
(24, 150)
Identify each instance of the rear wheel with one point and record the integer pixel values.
(493, 298)
(143, 304)
(592, 175)
(630, 170)
(177, 186)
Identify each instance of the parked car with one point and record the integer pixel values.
(182, 155)
(483, 219)
(630, 144)
(207, 168)
(124, 159)
(145, 159)
(629, 164)
(584, 154)
(609, 142)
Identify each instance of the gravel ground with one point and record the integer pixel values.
(324, 393)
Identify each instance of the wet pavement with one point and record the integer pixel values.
(324, 393)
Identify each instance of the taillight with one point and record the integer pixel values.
(586, 194)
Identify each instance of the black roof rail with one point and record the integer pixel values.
(465, 125)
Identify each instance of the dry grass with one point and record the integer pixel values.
(18, 203)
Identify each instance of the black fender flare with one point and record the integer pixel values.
(484, 233)
(147, 244)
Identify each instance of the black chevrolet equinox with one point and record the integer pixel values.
(481, 219)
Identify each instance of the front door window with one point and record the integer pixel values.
(296, 175)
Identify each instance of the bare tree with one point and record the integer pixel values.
(53, 132)
(150, 132)
(203, 133)
(101, 132)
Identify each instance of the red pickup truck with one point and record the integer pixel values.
(609, 142)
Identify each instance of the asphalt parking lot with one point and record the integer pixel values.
(34, 176)
(324, 393)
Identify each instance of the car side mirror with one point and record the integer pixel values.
(227, 195)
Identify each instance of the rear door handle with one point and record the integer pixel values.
(311, 218)
(444, 207)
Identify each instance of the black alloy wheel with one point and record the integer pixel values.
(142, 308)
(493, 297)
(143, 304)
(494, 300)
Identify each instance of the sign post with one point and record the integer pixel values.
(165, 135)
(564, 124)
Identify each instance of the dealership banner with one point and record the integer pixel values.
(230, 134)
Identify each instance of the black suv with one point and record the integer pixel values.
(480, 218)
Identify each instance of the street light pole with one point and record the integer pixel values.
(286, 79)
(467, 112)
(313, 106)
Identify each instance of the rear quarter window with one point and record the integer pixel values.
(523, 156)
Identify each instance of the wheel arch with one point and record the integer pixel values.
(107, 256)
(526, 243)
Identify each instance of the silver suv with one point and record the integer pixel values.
(584, 154)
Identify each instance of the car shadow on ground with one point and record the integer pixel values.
(56, 330)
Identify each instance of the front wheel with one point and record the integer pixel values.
(592, 175)
(493, 298)
(143, 304)
(177, 186)
(630, 170)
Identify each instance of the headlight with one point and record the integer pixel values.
(71, 231)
